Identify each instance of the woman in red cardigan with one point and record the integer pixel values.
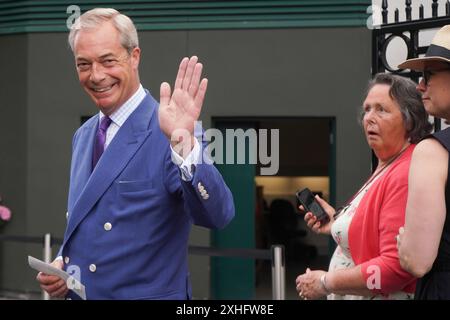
(365, 264)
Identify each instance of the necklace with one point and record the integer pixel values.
(371, 178)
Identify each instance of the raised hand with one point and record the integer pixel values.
(179, 110)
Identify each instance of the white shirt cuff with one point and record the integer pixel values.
(187, 166)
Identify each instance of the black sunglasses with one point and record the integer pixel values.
(426, 74)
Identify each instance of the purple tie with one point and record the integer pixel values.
(100, 138)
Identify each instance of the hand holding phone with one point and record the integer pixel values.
(308, 201)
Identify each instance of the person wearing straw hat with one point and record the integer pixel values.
(424, 242)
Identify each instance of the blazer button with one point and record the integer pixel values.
(67, 215)
(66, 260)
(107, 226)
(92, 267)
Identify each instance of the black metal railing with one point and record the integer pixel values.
(410, 32)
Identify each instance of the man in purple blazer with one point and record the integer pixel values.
(136, 182)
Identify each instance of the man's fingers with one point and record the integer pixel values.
(198, 100)
(53, 286)
(193, 87)
(189, 72)
(181, 73)
(61, 292)
(58, 263)
(164, 94)
(47, 279)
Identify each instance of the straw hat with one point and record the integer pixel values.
(439, 50)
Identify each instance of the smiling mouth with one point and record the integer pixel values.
(102, 89)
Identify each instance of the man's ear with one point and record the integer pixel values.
(136, 57)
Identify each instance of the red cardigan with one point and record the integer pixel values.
(374, 226)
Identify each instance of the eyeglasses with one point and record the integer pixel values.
(426, 74)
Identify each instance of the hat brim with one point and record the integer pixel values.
(418, 64)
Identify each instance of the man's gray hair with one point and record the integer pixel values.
(95, 17)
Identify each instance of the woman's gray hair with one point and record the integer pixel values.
(404, 92)
(95, 17)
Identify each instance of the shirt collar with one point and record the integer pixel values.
(124, 111)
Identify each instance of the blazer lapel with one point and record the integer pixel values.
(82, 161)
(126, 142)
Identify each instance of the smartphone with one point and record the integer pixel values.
(306, 198)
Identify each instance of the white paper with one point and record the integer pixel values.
(72, 283)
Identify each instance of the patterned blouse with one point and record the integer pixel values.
(342, 258)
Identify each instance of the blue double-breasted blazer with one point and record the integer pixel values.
(129, 219)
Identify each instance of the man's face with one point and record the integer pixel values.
(436, 92)
(107, 72)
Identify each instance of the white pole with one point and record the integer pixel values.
(278, 273)
(47, 257)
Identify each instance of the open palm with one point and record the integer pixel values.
(179, 110)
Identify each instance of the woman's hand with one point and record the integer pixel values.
(309, 286)
(316, 225)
